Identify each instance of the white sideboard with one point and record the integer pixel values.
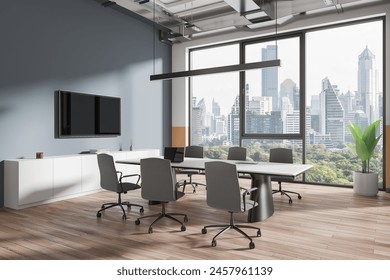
(30, 182)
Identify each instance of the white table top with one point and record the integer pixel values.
(262, 168)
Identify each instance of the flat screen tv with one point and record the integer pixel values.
(88, 115)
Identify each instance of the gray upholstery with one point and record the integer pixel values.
(191, 152)
(224, 192)
(194, 151)
(158, 180)
(236, 153)
(159, 184)
(282, 155)
(109, 181)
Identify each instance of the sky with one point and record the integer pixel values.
(331, 53)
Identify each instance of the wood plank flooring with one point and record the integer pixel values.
(327, 223)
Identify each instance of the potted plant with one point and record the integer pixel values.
(364, 181)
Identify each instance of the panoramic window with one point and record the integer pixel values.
(343, 83)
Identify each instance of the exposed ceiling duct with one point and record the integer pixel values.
(182, 20)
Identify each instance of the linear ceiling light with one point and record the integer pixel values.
(216, 70)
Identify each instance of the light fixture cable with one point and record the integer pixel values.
(154, 37)
(276, 29)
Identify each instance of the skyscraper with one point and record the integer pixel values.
(367, 84)
(331, 113)
(269, 76)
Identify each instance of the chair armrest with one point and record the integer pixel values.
(131, 175)
(248, 192)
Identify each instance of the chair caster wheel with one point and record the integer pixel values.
(141, 210)
(213, 243)
(128, 206)
(137, 222)
(150, 230)
(251, 245)
(98, 214)
(124, 217)
(299, 197)
(258, 233)
(204, 231)
(290, 201)
(183, 228)
(185, 219)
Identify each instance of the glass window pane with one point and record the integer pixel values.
(343, 85)
(215, 118)
(272, 94)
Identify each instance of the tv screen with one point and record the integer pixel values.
(88, 115)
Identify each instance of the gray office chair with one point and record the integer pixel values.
(224, 192)
(282, 155)
(236, 153)
(159, 184)
(191, 152)
(109, 181)
(239, 154)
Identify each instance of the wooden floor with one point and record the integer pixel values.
(327, 223)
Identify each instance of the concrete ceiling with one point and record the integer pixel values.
(182, 20)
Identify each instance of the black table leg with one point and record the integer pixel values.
(263, 196)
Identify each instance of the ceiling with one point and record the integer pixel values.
(183, 20)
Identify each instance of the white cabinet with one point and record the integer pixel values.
(35, 177)
(90, 181)
(67, 176)
(29, 182)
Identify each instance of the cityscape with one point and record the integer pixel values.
(276, 110)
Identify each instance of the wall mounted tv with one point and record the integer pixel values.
(88, 115)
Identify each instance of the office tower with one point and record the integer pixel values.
(286, 108)
(331, 113)
(196, 126)
(264, 124)
(348, 101)
(203, 117)
(260, 105)
(269, 76)
(246, 97)
(292, 122)
(308, 128)
(290, 90)
(367, 84)
(234, 123)
(216, 109)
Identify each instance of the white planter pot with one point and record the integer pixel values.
(365, 183)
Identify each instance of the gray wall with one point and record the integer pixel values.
(77, 45)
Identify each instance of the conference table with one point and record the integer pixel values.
(260, 173)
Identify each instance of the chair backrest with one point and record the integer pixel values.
(108, 175)
(223, 188)
(194, 151)
(158, 180)
(237, 153)
(282, 155)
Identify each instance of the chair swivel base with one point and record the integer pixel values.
(193, 184)
(161, 215)
(106, 206)
(283, 192)
(235, 227)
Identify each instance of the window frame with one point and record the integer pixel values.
(301, 34)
